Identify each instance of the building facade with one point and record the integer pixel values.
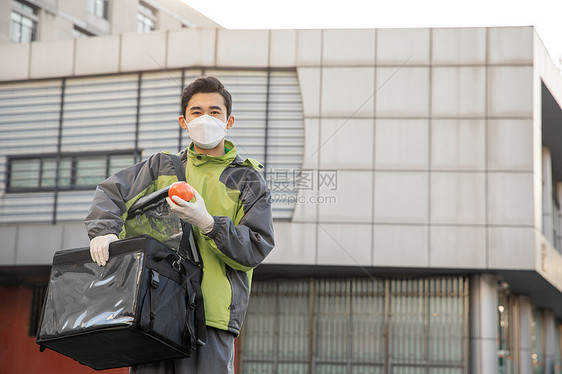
(23, 21)
(415, 178)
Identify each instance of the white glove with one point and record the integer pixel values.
(194, 213)
(99, 248)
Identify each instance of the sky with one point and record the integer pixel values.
(545, 15)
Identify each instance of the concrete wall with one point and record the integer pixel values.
(432, 132)
(5, 10)
(36, 244)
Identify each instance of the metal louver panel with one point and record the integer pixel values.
(159, 111)
(29, 123)
(29, 117)
(100, 113)
(73, 205)
(22, 207)
(249, 104)
(285, 141)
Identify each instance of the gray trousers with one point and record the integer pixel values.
(215, 357)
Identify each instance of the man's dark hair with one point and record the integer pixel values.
(205, 84)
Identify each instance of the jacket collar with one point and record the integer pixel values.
(200, 159)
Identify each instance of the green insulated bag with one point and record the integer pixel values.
(151, 214)
(141, 307)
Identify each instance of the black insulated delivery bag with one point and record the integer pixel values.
(138, 308)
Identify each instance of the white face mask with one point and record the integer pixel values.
(206, 131)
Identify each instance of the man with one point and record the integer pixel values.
(231, 216)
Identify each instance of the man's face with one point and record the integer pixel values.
(206, 103)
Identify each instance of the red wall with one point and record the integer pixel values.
(18, 351)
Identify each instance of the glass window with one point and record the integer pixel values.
(25, 173)
(23, 23)
(120, 162)
(506, 336)
(98, 8)
(23, 7)
(558, 347)
(556, 232)
(74, 171)
(356, 326)
(146, 18)
(537, 350)
(49, 172)
(90, 171)
(67, 170)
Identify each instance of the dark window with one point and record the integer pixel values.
(75, 171)
(37, 297)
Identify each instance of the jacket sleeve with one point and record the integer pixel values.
(117, 193)
(245, 245)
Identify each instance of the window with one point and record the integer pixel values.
(37, 297)
(98, 8)
(75, 171)
(551, 187)
(537, 342)
(356, 325)
(23, 23)
(556, 224)
(146, 18)
(506, 332)
(558, 346)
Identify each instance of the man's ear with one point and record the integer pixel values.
(183, 124)
(230, 122)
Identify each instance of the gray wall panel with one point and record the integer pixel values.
(37, 244)
(8, 240)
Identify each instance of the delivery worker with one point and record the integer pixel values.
(230, 213)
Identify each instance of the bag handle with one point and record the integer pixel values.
(193, 268)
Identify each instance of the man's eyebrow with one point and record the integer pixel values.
(195, 107)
